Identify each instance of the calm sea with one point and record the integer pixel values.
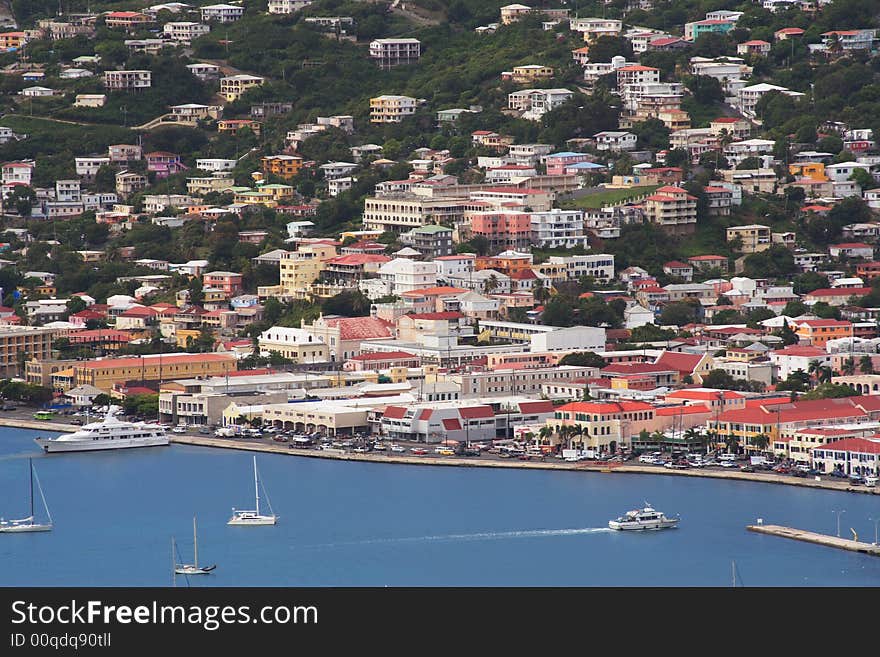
(356, 524)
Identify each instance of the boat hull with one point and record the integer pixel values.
(54, 445)
(641, 526)
(21, 529)
(192, 570)
(248, 522)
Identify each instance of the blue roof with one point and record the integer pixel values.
(585, 165)
(565, 154)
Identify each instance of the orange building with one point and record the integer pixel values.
(503, 230)
(12, 40)
(231, 126)
(284, 166)
(868, 270)
(811, 170)
(508, 264)
(818, 332)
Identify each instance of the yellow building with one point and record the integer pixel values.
(812, 170)
(233, 87)
(278, 192)
(258, 197)
(183, 335)
(105, 372)
(17, 342)
(301, 268)
(531, 73)
(283, 166)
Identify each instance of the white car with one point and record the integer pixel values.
(728, 464)
(397, 448)
(179, 429)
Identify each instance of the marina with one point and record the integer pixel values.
(351, 523)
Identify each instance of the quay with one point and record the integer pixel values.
(818, 539)
(825, 483)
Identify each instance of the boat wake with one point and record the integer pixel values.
(480, 536)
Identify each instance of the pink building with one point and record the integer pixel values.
(164, 164)
(229, 282)
(503, 230)
(557, 162)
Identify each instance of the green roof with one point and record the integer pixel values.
(432, 228)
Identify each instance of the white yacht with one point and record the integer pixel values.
(646, 518)
(252, 518)
(110, 433)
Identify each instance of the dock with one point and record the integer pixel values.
(818, 539)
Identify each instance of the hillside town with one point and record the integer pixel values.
(595, 238)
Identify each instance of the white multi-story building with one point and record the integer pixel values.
(593, 28)
(720, 68)
(215, 164)
(391, 109)
(558, 229)
(615, 140)
(749, 96)
(287, 6)
(87, 167)
(534, 103)
(528, 154)
(405, 275)
(185, 31)
(126, 80)
(67, 190)
(461, 264)
(598, 265)
(221, 13)
(389, 53)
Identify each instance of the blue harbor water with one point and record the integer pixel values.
(356, 524)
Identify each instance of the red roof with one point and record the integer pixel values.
(460, 256)
(795, 350)
(839, 291)
(790, 30)
(395, 412)
(475, 412)
(850, 245)
(167, 359)
(426, 413)
(384, 355)
(434, 291)
(451, 314)
(451, 424)
(139, 311)
(862, 445)
(675, 264)
(726, 119)
(682, 363)
(692, 409)
(704, 394)
(536, 407)
(638, 67)
(357, 259)
(707, 257)
(664, 41)
(817, 323)
(755, 42)
(359, 328)
(605, 408)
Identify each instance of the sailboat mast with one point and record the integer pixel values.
(31, 464)
(195, 544)
(256, 486)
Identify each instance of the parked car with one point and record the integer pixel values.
(397, 448)
(747, 468)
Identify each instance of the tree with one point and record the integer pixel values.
(606, 47)
(706, 90)
(583, 359)
(828, 390)
(75, 304)
(795, 309)
(22, 199)
(848, 367)
(653, 134)
(196, 295)
(490, 284)
(349, 304)
(749, 163)
(866, 365)
(678, 314)
(719, 379)
(761, 442)
(862, 178)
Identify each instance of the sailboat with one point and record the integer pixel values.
(254, 517)
(193, 568)
(28, 524)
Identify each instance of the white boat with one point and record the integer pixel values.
(646, 518)
(193, 568)
(29, 524)
(253, 518)
(110, 433)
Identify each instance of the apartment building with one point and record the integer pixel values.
(297, 344)
(287, 6)
(593, 28)
(398, 213)
(221, 13)
(299, 269)
(556, 228)
(128, 182)
(673, 209)
(32, 343)
(185, 31)
(389, 53)
(128, 80)
(391, 109)
(432, 241)
(283, 166)
(104, 373)
(754, 237)
(234, 87)
(88, 166)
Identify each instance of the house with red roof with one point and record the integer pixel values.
(753, 47)
(673, 209)
(788, 33)
(137, 318)
(703, 262)
(694, 366)
(603, 426)
(381, 360)
(680, 270)
(817, 332)
(852, 456)
(835, 296)
(851, 250)
(796, 357)
(344, 335)
(126, 19)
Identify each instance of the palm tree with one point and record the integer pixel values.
(761, 442)
(848, 367)
(732, 443)
(545, 433)
(825, 374)
(541, 292)
(866, 365)
(814, 368)
(490, 284)
(694, 436)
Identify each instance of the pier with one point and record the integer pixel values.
(818, 539)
